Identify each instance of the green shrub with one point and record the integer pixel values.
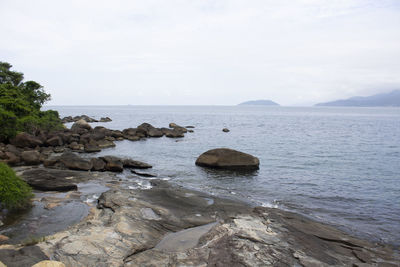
(14, 192)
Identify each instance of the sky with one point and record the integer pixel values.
(203, 52)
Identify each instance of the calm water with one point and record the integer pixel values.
(337, 165)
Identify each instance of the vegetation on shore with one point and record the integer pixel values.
(20, 104)
(14, 192)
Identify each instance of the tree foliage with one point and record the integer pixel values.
(20, 104)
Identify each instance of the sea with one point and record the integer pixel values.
(336, 165)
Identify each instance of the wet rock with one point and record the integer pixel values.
(31, 157)
(189, 127)
(89, 148)
(49, 180)
(135, 164)
(172, 133)
(225, 158)
(105, 144)
(105, 119)
(225, 130)
(143, 174)
(26, 140)
(113, 164)
(116, 134)
(177, 127)
(24, 257)
(98, 164)
(74, 162)
(149, 130)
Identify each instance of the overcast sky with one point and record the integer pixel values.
(199, 52)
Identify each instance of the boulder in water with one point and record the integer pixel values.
(225, 158)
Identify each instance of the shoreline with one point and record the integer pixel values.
(127, 226)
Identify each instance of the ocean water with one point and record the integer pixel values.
(340, 166)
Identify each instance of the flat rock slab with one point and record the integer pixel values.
(49, 180)
(24, 257)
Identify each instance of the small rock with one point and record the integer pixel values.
(225, 158)
(225, 130)
(49, 264)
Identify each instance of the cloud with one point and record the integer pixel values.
(205, 51)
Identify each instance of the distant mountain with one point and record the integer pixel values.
(259, 103)
(391, 99)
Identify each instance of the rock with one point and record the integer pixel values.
(177, 127)
(189, 127)
(49, 264)
(2, 155)
(49, 180)
(59, 149)
(143, 174)
(225, 130)
(81, 124)
(116, 134)
(106, 119)
(12, 159)
(26, 140)
(190, 131)
(130, 163)
(172, 133)
(26, 256)
(2, 264)
(74, 162)
(10, 148)
(225, 158)
(31, 157)
(105, 144)
(89, 148)
(149, 130)
(3, 238)
(98, 164)
(55, 141)
(76, 146)
(113, 164)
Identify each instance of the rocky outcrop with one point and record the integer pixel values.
(172, 226)
(225, 158)
(83, 117)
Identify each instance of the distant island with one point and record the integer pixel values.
(391, 99)
(259, 103)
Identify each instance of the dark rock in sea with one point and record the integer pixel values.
(143, 174)
(172, 133)
(113, 164)
(26, 140)
(189, 127)
(89, 148)
(31, 157)
(105, 119)
(74, 162)
(49, 180)
(135, 164)
(177, 127)
(26, 256)
(225, 130)
(225, 158)
(105, 144)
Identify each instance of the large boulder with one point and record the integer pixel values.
(55, 141)
(225, 158)
(80, 125)
(26, 140)
(113, 164)
(72, 161)
(31, 157)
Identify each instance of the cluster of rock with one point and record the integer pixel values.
(32, 150)
(85, 118)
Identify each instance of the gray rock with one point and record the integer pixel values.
(24, 257)
(55, 141)
(225, 158)
(49, 180)
(113, 164)
(31, 157)
(225, 130)
(135, 164)
(74, 162)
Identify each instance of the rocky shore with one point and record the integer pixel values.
(87, 213)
